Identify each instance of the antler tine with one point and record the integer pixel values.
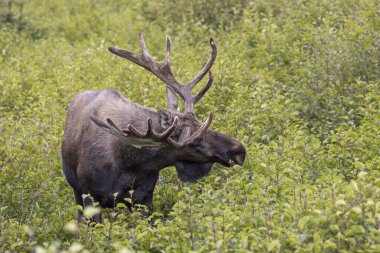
(203, 91)
(135, 132)
(99, 122)
(110, 122)
(170, 80)
(175, 144)
(201, 130)
(206, 68)
(111, 127)
(168, 131)
(186, 90)
(167, 54)
(144, 50)
(149, 131)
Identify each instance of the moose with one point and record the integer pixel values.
(112, 145)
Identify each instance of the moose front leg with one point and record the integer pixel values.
(140, 197)
(143, 193)
(85, 202)
(79, 201)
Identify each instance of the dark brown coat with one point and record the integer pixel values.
(101, 159)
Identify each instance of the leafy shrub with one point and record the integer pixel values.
(297, 82)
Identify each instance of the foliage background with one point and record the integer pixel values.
(296, 81)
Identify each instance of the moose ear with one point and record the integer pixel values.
(165, 118)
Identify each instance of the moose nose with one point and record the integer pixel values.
(239, 154)
(239, 159)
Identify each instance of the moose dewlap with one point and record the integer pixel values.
(112, 145)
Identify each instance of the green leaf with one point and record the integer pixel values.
(329, 245)
(355, 230)
(91, 211)
(354, 186)
(274, 246)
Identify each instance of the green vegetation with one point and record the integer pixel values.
(296, 81)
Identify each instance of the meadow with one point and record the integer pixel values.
(298, 82)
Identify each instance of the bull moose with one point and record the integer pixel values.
(112, 145)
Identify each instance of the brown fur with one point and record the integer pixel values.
(98, 163)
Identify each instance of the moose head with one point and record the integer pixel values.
(197, 146)
(142, 141)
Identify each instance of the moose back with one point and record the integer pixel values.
(112, 145)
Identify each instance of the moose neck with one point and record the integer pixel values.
(144, 159)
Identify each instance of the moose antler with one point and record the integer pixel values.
(162, 70)
(150, 138)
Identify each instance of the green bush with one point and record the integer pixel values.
(296, 81)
